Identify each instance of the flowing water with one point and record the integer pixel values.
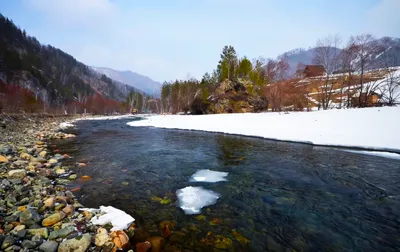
(278, 196)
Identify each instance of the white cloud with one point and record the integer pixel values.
(70, 13)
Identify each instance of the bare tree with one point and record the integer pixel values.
(390, 86)
(327, 55)
(365, 45)
(346, 68)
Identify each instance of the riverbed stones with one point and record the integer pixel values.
(101, 237)
(120, 239)
(50, 202)
(8, 241)
(53, 219)
(49, 246)
(17, 174)
(3, 159)
(42, 232)
(29, 217)
(157, 243)
(78, 244)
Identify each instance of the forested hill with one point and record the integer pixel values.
(48, 75)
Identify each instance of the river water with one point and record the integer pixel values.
(278, 196)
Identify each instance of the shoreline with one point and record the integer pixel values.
(367, 129)
(37, 211)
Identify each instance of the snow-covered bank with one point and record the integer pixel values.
(369, 128)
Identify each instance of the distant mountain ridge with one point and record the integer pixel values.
(132, 79)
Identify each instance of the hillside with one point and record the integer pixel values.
(51, 76)
(133, 79)
(387, 46)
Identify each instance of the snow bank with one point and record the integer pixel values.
(65, 125)
(208, 176)
(69, 124)
(118, 218)
(369, 128)
(193, 199)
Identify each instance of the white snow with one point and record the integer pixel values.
(70, 124)
(377, 153)
(65, 125)
(208, 176)
(192, 199)
(370, 128)
(118, 218)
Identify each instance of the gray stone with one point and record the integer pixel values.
(78, 244)
(12, 218)
(29, 217)
(8, 241)
(64, 232)
(49, 246)
(21, 233)
(14, 248)
(29, 244)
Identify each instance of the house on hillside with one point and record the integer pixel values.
(313, 71)
(365, 100)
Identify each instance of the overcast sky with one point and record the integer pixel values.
(173, 39)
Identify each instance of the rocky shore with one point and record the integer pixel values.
(37, 212)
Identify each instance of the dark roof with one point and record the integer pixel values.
(315, 68)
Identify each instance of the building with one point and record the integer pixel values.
(313, 71)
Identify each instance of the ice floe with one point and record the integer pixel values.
(208, 176)
(192, 199)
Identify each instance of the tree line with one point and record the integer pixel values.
(270, 78)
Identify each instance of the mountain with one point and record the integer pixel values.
(133, 79)
(48, 74)
(387, 54)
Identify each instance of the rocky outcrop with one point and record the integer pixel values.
(236, 97)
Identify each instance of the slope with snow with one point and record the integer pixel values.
(368, 128)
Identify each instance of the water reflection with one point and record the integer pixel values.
(278, 197)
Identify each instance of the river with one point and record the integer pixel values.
(278, 196)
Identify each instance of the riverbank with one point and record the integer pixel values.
(366, 129)
(37, 211)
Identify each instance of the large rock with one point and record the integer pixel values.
(78, 244)
(49, 246)
(50, 202)
(53, 219)
(17, 174)
(29, 217)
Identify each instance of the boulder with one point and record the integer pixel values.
(29, 217)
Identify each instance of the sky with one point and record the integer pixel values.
(178, 39)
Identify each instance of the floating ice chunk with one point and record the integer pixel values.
(65, 125)
(192, 199)
(208, 176)
(118, 218)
